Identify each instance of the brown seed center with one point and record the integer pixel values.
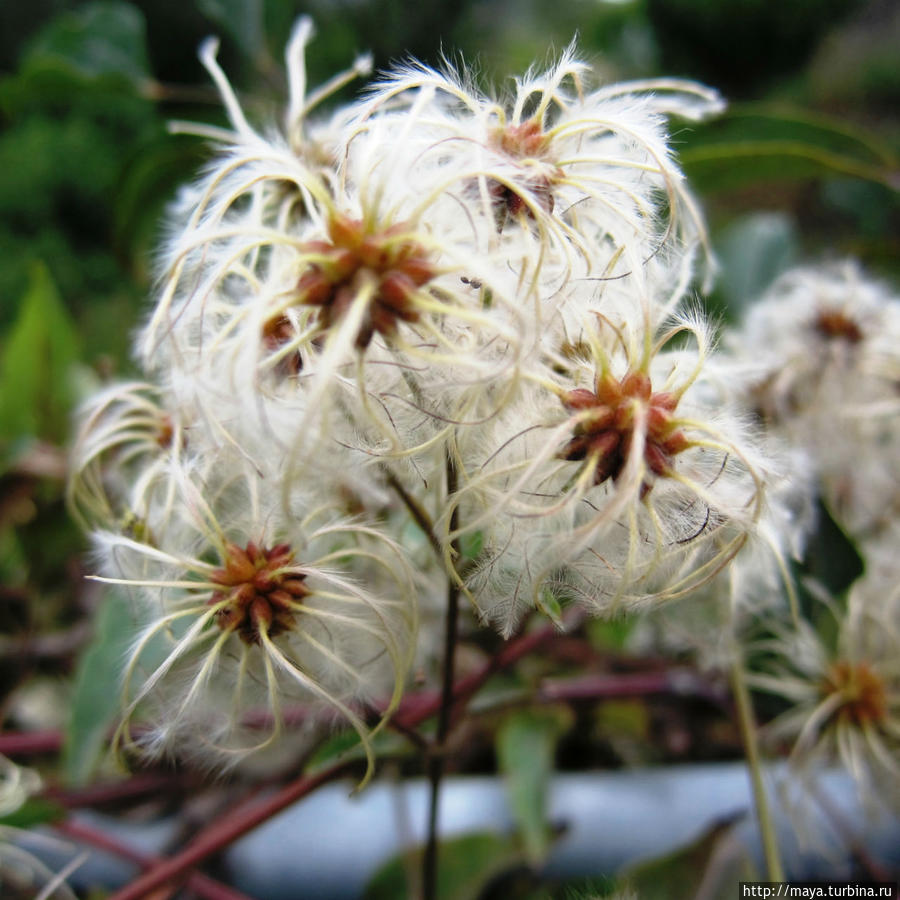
(837, 325)
(607, 417)
(356, 257)
(525, 140)
(862, 692)
(524, 143)
(277, 332)
(260, 591)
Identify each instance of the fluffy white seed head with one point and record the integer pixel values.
(821, 364)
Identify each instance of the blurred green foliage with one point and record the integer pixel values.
(806, 165)
(89, 87)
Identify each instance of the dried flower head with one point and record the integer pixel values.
(262, 614)
(345, 308)
(588, 172)
(821, 365)
(637, 488)
(126, 442)
(843, 696)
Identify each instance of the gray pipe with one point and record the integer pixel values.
(327, 846)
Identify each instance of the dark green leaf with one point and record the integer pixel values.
(753, 251)
(758, 143)
(35, 375)
(466, 865)
(831, 556)
(97, 40)
(147, 183)
(242, 20)
(35, 811)
(713, 860)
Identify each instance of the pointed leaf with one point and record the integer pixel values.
(550, 606)
(34, 811)
(526, 745)
(714, 861)
(35, 382)
(466, 865)
(755, 143)
(95, 699)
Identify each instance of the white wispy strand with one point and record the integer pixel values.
(345, 304)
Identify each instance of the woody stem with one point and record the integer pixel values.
(438, 749)
(747, 726)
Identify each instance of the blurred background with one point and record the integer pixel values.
(803, 166)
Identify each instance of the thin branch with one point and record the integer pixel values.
(747, 724)
(113, 792)
(679, 682)
(417, 511)
(202, 885)
(436, 758)
(30, 743)
(422, 706)
(213, 839)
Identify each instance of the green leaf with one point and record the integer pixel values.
(526, 745)
(34, 811)
(346, 746)
(550, 606)
(753, 251)
(710, 861)
(466, 865)
(609, 635)
(35, 383)
(147, 183)
(832, 558)
(100, 39)
(471, 545)
(755, 143)
(95, 699)
(242, 20)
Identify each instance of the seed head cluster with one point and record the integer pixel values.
(438, 310)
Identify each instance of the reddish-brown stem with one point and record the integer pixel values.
(424, 705)
(632, 684)
(417, 511)
(211, 840)
(29, 743)
(202, 885)
(100, 794)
